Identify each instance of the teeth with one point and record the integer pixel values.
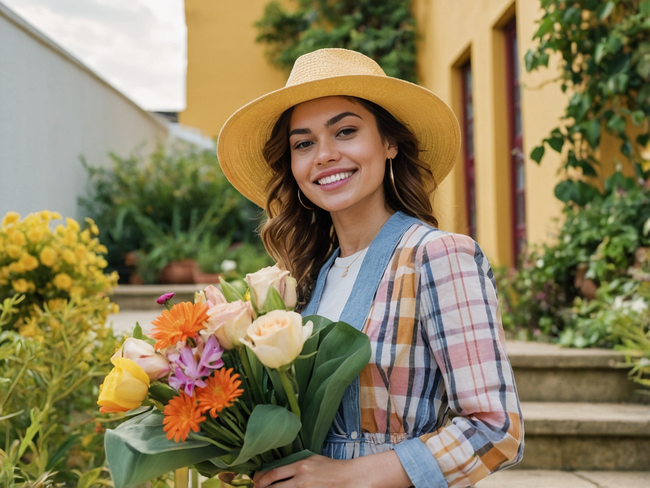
(337, 177)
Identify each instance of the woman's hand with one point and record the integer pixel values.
(374, 471)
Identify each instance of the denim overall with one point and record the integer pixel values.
(345, 439)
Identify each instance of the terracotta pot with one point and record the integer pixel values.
(201, 278)
(178, 272)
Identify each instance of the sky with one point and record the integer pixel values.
(138, 46)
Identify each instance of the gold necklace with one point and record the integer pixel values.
(347, 268)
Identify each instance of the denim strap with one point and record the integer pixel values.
(358, 306)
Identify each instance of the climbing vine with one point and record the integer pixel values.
(604, 47)
(384, 31)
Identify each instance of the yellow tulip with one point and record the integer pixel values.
(125, 387)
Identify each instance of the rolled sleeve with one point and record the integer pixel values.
(420, 464)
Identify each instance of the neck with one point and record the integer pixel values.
(357, 229)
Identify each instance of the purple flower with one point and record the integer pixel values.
(162, 299)
(189, 373)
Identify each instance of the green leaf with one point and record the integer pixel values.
(600, 52)
(292, 458)
(62, 451)
(556, 142)
(89, 478)
(529, 59)
(644, 7)
(605, 10)
(273, 301)
(616, 124)
(138, 450)
(32, 430)
(591, 131)
(304, 366)
(269, 427)
(626, 149)
(643, 139)
(137, 331)
(162, 392)
(638, 116)
(342, 354)
(537, 154)
(643, 67)
(646, 228)
(231, 294)
(565, 191)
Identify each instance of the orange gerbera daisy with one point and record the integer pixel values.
(182, 414)
(220, 392)
(182, 321)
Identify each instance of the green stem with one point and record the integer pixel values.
(215, 429)
(233, 425)
(291, 394)
(257, 393)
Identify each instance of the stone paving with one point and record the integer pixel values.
(514, 478)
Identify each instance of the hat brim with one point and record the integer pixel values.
(245, 133)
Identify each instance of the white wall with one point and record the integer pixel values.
(52, 110)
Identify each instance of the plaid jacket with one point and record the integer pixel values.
(427, 301)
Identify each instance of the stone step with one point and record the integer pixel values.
(586, 436)
(550, 373)
(523, 478)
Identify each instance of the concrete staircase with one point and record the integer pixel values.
(580, 410)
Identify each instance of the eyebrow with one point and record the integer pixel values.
(329, 123)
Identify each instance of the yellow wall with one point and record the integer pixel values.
(226, 68)
(452, 33)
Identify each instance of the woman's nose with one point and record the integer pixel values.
(327, 152)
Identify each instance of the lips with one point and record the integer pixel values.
(334, 178)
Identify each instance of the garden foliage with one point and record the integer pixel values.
(383, 31)
(54, 347)
(604, 47)
(580, 287)
(173, 205)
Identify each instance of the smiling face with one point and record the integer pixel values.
(338, 157)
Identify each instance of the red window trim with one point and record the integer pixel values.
(517, 160)
(469, 166)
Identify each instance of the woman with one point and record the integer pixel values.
(345, 160)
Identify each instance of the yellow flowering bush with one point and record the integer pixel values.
(52, 267)
(51, 372)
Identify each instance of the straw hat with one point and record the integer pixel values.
(330, 72)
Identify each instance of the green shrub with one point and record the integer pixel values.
(384, 31)
(166, 206)
(48, 391)
(551, 294)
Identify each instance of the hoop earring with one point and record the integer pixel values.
(392, 180)
(300, 200)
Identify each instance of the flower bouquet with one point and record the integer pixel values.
(228, 384)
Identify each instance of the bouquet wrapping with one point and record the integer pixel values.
(229, 384)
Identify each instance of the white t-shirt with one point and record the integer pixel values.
(338, 287)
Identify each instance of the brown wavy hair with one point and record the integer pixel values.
(302, 239)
